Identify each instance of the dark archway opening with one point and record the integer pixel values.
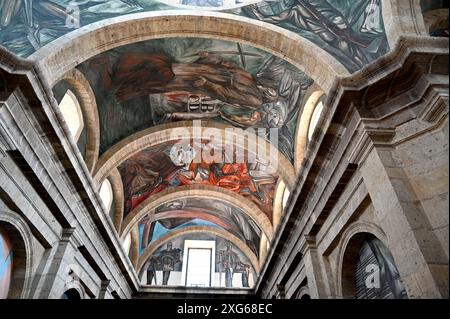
(15, 261)
(71, 294)
(369, 270)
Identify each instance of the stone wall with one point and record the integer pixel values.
(379, 166)
(47, 195)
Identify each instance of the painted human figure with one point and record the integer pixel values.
(151, 271)
(228, 260)
(328, 23)
(137, 74)
(169, 258)
(244, 269)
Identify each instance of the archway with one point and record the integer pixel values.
(13, 267)
(369, 270)
(71, 293)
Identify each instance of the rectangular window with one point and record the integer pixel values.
(198, 270)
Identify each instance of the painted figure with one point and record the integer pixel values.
(154, 170)
(244, 269)
(137, 74)
(169, 258)
(230, 263)
(228, 260)
(331, 26)
(151, 271)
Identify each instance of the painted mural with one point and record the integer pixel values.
(438, 9)
(186, 212)
(167, 265)
(155, 169)
(351, 30)
(167, 80)
(6, 263)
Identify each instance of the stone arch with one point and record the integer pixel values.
(203, 191)
(73, 291)
(21, 238)
(278, 203)
(158, 134)
(118, 200)
(198, 229)
(303, 293)
(134, 247)
(301, 139)
(88, 107)
(402, 17)
(435, 19)
(350, 244)
(66, 52)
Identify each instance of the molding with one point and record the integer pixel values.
(370, 138)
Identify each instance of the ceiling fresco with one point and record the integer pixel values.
(167, 80)
(196, 211)
(351, 30)
(154, 169)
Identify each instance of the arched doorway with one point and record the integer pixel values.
(13, 263)
(6, 263)
(71, 294)
(369, 270)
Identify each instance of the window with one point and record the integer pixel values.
(198, 272)
(198, 263)
(127, 244)
(106, 194)
(286, 195)
(314, 119)
(6, 263)
(71, 111)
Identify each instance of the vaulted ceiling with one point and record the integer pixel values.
(144, 69)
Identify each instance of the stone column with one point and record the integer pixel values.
(314, 271)
(103, 289)
(52, 273)
(422, 264)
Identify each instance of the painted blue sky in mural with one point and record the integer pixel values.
(351, 30)
(160, 231)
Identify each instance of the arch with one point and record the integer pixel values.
(66, 52)
(73, 116)
(159, 134)
(264, 246)
(106, 194)
(193, 230)
(278, 203)
(21, 238)
(88, 107)
(202, 191)
(314, 119)
(303, 293)
(435, 19)
(72, 293)
(301, 140)
(354, 234)
(402, 17)
(118, 202)
(134, 248)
